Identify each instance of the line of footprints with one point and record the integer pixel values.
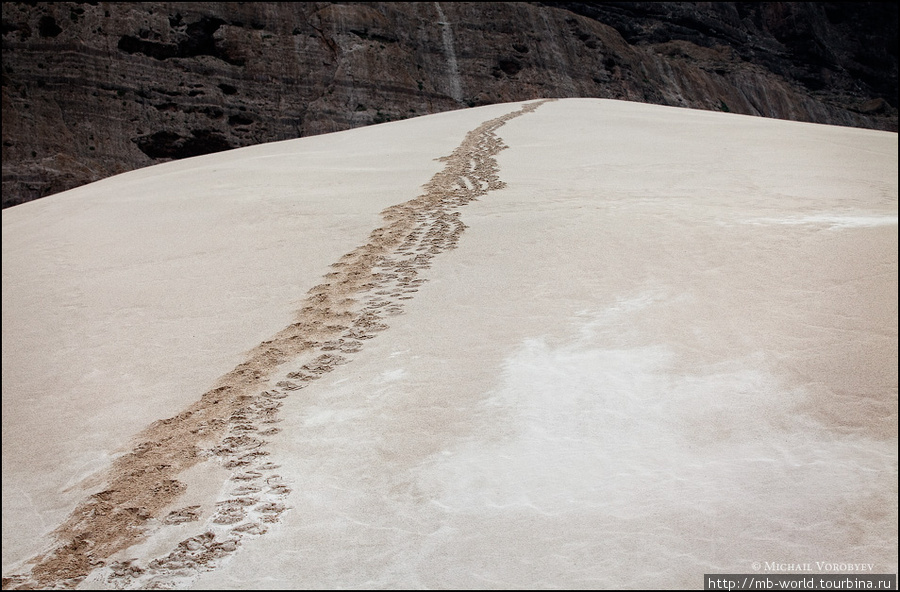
(258, 494)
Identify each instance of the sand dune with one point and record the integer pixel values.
(575, 343)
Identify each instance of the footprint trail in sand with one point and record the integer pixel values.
(230, 422)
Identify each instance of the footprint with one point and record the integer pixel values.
(279, 490)
(273, 395)
(186, 514)
(252, 528)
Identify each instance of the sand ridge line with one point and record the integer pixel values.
(230, 421)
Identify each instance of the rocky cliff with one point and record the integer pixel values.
(95, 89)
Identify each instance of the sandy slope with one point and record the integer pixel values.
(660, 343)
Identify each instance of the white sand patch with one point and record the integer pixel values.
(720, 463)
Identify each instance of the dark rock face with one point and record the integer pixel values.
(95, 89)
(839, 52)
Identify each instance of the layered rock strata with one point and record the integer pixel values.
(95, 89)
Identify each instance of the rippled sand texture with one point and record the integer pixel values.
(639, 345)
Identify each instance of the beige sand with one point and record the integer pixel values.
(665, 345)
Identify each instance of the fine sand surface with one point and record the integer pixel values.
(578, 343)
